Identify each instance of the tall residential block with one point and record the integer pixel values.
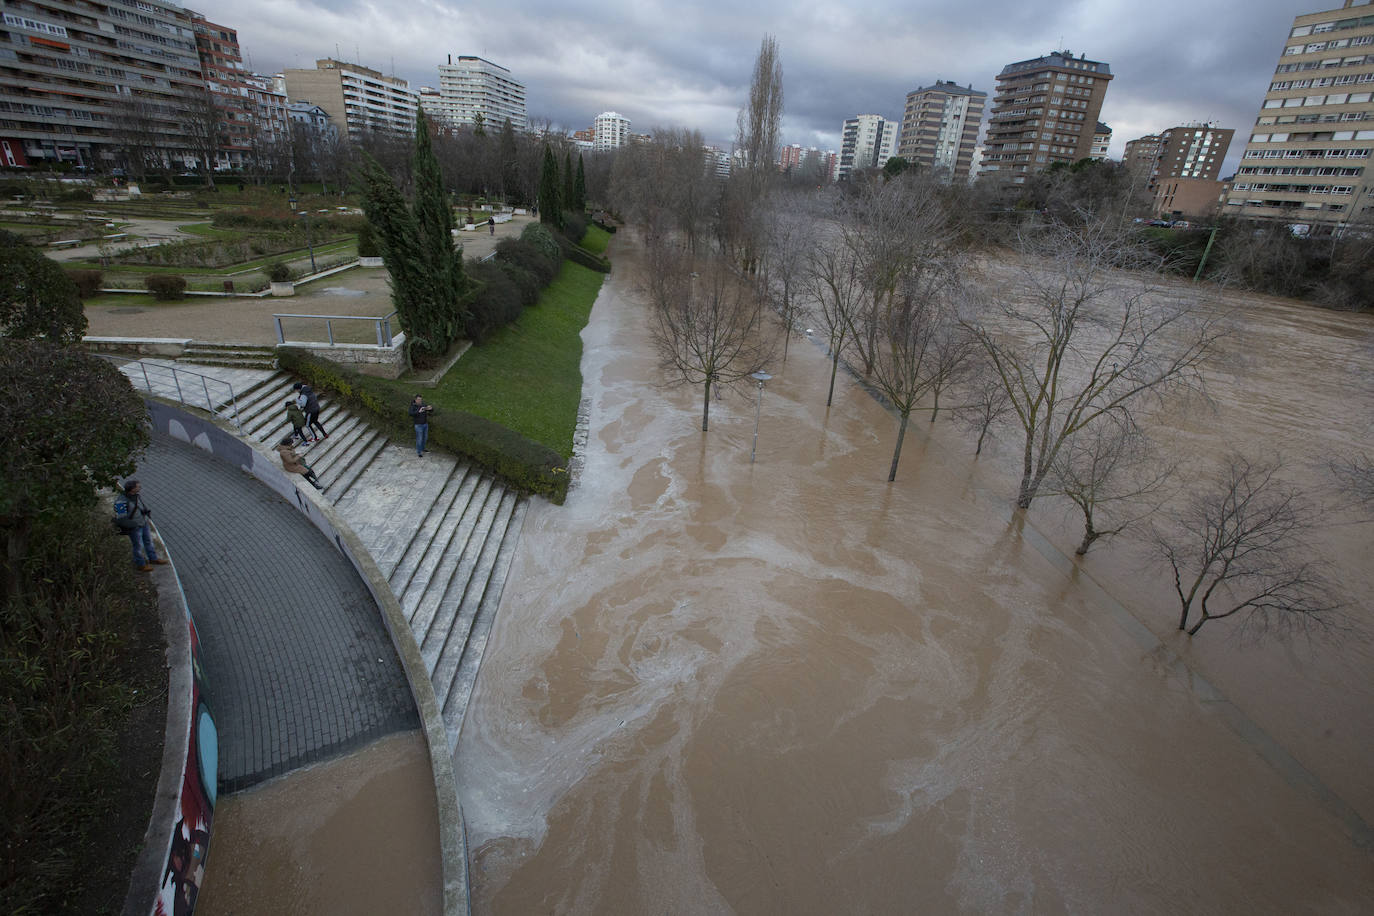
(357, 98)
(1045, 111)
(610, 131)
(1102, 141)
(226, 81)
(474, 90)
(867, 142)
(1186, 151)
(1310, 154)
(93, 83)
(940, 128)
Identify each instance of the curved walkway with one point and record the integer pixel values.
(300, 667)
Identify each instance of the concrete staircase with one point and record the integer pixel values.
(234, 356)
(443, 532)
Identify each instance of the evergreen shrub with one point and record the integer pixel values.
(166, 287)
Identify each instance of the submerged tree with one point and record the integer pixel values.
(1079, 341)
(708, 328)
(1240, 546)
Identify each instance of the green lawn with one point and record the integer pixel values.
(527, 376)
(596, 239)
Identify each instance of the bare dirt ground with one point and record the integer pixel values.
(792, 687)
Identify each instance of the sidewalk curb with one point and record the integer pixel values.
(202, 431)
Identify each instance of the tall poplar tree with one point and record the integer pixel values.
(569, 183)
(579, 199)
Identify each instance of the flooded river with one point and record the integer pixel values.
(791, 687)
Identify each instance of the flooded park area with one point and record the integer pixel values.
(792, 687)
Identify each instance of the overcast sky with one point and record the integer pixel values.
(688, 64)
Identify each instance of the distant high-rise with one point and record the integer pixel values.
(1310, 156)
(1186, 151)
(1045, 111)
(1102, 141)
(474, 89)
(357, 98)
(868, 142)
(940, 128)
(610, 131)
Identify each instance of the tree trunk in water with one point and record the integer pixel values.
(982, 434)
(706, 405)
(834, 367)
(1089, 535)
(897, 452)
(1027, 490)
(1198, 626)
(1183, 618)
(935, 411)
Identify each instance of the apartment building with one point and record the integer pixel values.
(610, 131)
(268, 107)
(474, 90)
(221, 68)
(96, 84)
(1045, 111)
(1102, 141)
(867, 142)
(1309, 156)
(1185, 151)
(357, 98)
(940, 126)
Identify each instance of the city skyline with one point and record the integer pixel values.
(1184, 62)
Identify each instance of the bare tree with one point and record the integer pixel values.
(708, 327)
(203, 122)
(1079, 340)
(791, 238)
(139, 135)
(741, 228)
(833, 283)
(1241, 548)
(985, 399)
(1354, 475)
(1112, 474)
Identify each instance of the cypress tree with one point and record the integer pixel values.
(569, 195)
(579, 199)
(398, 239)
(550, 210)
(442, 266)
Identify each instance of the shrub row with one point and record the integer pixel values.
(88, 282)
(525, 465)
(579, 255)
(166, 287)
(214, 254)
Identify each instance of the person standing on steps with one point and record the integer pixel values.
(292, 463)
(308, 402)
(297, 420)
(134, 508)
(419, 414)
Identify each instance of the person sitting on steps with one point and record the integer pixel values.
(295, 464)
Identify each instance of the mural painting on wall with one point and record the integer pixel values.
(185, 868)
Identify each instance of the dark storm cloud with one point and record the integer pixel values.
(688, 64)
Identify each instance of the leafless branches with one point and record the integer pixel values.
(1080, 341)
(708, 325)
(1240, 547)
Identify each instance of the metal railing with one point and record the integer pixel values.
(382, 325)
(189, 388)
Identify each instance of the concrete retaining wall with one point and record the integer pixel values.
(224, 445)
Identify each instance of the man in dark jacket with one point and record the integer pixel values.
(308, 402)
(419, 415)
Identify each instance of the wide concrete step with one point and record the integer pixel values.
(434, 530)
(420, 600)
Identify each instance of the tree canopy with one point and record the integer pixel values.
(37, 298)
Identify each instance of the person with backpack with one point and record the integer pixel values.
(308, 402)
(296, 417)
(131, 515)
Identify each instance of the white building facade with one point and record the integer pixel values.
(610, 131)
(474, 90)
(868, 142)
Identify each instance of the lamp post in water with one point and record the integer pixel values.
(759, 377)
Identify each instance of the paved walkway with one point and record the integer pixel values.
(300, 666)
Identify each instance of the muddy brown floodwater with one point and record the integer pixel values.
(791, 687)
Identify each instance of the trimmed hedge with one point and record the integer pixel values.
(166, 287)
(496, 301)
(533, 258)
(525, 465)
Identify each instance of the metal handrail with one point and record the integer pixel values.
(383, 325)
(150, 371)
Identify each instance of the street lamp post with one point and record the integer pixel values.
(759, 377)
